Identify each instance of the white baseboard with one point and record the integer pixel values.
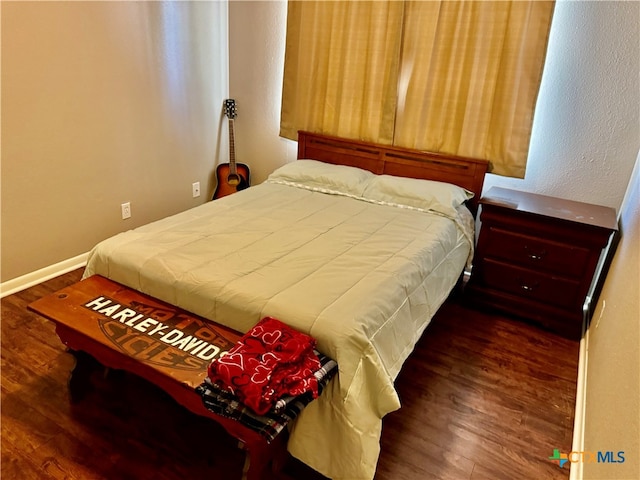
(577, 445)
(30, 279)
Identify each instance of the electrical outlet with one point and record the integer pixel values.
(196, 189)
(126, 210)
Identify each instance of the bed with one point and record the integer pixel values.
(355, 244)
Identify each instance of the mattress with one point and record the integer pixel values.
(360, 273)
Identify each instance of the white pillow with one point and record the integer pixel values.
(425, 194)
(326, 176)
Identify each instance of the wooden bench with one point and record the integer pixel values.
(125, 330)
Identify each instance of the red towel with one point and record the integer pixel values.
(269, 361)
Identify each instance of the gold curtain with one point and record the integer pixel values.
(341, 68)
(469, 79)
(458, 77)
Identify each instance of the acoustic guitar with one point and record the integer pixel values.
(232, 176)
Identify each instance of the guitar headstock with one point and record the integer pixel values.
(230, 109)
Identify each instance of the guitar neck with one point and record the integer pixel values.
(232, 149)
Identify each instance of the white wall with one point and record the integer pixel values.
(586, 135)
(104, 103)
(256, 63)
(612, 400)
(586, 131)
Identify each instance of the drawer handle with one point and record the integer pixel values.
(529, 288)
(535, 255)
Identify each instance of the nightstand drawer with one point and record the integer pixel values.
(536, 253)
(548, 289)
(536, 256)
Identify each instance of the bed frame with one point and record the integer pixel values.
(77, 328)
(402, 162)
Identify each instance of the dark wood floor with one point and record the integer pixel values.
(484, 397)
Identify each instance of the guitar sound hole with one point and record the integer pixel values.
(233, 180)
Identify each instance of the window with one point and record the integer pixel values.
(446, 76)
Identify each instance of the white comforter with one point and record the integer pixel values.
(364, 279)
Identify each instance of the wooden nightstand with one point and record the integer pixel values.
(537, 255)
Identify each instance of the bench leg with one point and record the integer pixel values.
(256, 464)
(246, 466)
(264, 461)
(279, 454)
(79, 379)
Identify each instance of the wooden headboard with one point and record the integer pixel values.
(402, 162)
